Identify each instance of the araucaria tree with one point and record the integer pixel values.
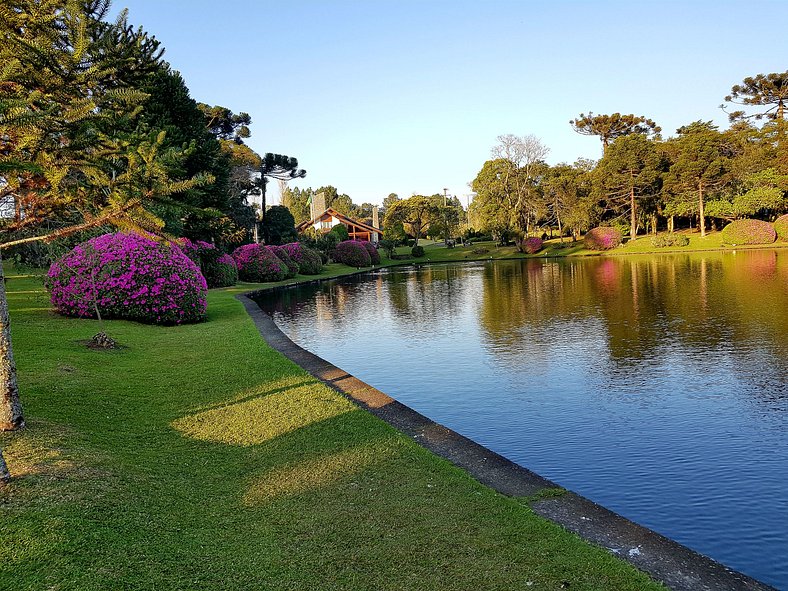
(768, 91)
(610, 127)
(699, 164)
(628, 174)
(70, 152)
(276, 166)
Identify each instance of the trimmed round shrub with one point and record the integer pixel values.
(352, 253)
(667, 240)
(781, 226)
(258, 264)
(281, 253)
(602, 238)
(128, 276)
(417, 251)
(374, 255)
(530, 245)
(748, 232)
(309, 260)
(218, 269)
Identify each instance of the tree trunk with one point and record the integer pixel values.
(654, 224)
(10, 408)
(5, 475)
(560, 230)
(702, 219)
(633, 220)
(671, 224)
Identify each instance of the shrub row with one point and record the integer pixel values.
(219, 269)
(666, 240)
(352, 253)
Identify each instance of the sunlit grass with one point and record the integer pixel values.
(199, 458)
(265, 412)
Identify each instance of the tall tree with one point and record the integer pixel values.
(417, 212)
(768, 91)
(493, 206)
(65, 112)
(627, 174)
(298, 201)
(390, 200)
(699, 164)
(610, 127)
(276, 166)
(567, 189)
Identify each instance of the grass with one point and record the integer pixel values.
(199, 458)
(437, 252)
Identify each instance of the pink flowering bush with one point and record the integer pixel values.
(530, 245)
(281, 254)
(374, 255)
(258, 264)
(781, 226)
(748, 232)
(218, 269)
(128, 276)
(309, 261)
(602, 238)
(352, 253)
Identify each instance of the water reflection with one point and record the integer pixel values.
(657, 386)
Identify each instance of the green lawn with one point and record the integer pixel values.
(199, 458)
(437, 252)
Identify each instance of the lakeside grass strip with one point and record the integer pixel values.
(199, 458)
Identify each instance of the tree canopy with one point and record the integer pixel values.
(610, 127)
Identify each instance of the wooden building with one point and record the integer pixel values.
(357, 230)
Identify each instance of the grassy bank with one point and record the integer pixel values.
(199, 458)
(437, 252)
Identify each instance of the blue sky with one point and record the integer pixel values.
(378, 96)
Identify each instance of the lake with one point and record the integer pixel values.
(656, 386)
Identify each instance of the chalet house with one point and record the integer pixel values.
(356, 229)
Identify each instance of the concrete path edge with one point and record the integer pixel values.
(665, 560)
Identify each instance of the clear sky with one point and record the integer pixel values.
(379, 96)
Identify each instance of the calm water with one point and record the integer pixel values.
(657, 387)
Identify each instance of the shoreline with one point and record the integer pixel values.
(665, 560)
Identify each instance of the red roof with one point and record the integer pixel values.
(342, 218)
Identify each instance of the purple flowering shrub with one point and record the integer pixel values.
(258, 264)
(282, 255)
(602, 238)
(218, 269)
(352, 253)
(781, 226)
(309, 260)
(128, 276)
(190, 249)
(374, 255)
(748, 232)
(530, 245)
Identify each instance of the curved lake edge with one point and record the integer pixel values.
(667, 561)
